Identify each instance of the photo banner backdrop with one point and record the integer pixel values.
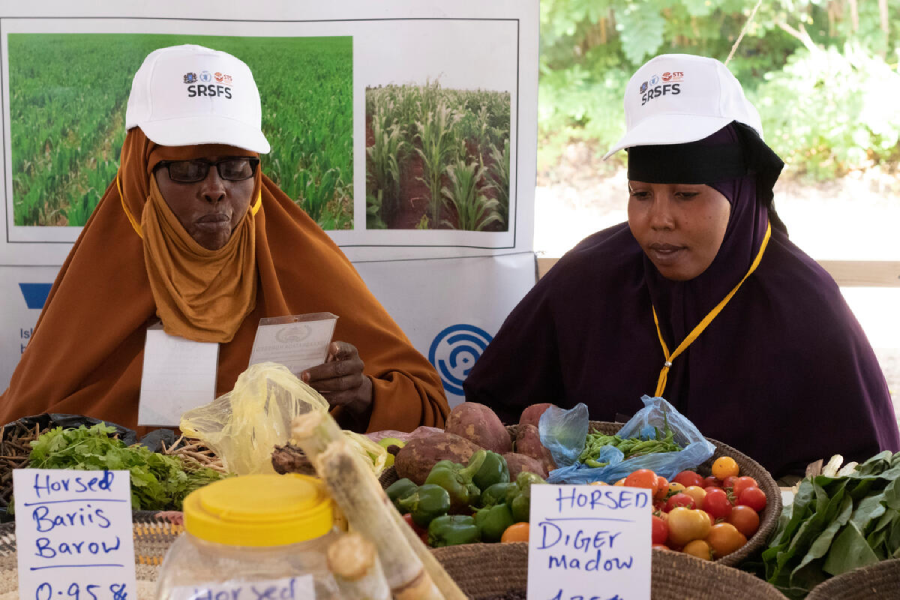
(406, 129)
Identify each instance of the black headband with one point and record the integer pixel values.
(686, 163)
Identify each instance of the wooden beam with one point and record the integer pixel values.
(847, 273)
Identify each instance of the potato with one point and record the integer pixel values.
(480, 425)
(532, 414)
(519, 462)
(416, 458)
(528, 442)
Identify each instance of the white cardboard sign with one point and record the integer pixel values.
(297, 342)
(74, 534)
(589, 543)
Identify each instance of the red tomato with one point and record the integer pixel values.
(679, 499)
(697, 493)
(688, 478)
(660, 531)
(659, 505)
(744, 520)
(741, 484)
(717, 503)
(422, 533)
(686, 525)
(711, 482)
(712, 519)
(643, 478)
(662, 486)
(728, 483)
(753, 497)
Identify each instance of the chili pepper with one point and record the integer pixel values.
(493, 470)
(519, 498)
(493, 522)
(426, 503)
(496, 494)
(452, 531)
(457, 480)
(398, 490)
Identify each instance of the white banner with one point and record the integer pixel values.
(345, 86)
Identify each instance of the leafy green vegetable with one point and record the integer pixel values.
(158, 482)
(836, 524)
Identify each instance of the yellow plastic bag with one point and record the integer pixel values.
(243, 426)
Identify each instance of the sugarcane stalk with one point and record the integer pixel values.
(350, 484)
(353, 561)
(313, 432)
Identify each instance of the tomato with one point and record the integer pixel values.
(422, 533)
(725, 466)
(688, 478)
(741, 484)
(620, 482)
(660, 547)
(662, 486)
(744, 519)
(686, 525)
(679, 500)
(598, 483)
(643, 478)
(725, 538)
(753, 497)
(728, 483)
(699, 548)
(660, 531)
(515, 533)
(659, 505)
(674, 488)
(711, 482)
(697, 493)
(712, 519)
(717, 503)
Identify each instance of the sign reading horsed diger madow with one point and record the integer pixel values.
(74, 535)
(589, 543)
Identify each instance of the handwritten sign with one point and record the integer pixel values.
(287, 588)
(589, 543)
(74, 535)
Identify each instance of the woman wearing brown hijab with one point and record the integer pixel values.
(193, 234)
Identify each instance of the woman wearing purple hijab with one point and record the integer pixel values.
(700, 297)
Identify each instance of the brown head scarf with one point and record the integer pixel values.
(86, 353)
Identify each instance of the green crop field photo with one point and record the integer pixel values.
(68, 94)
(437, 158)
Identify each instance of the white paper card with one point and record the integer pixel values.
(74, 534)
(589, 542)
(178, 375)
(297, 342)
(287, 588)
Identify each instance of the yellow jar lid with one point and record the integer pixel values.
(259, 510)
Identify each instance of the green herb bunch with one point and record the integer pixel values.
(158, 482)
(836, 524)
(630, 447)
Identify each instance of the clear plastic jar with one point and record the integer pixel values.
(252, 529)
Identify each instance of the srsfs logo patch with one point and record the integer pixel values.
(660, 90)
(209, 91)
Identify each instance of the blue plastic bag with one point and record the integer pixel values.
(563, 432)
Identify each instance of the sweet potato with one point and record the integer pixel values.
(532, 414)
(528, 442)
(519, 462)
(416, 458)
(480, 425)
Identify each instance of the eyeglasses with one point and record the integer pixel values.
(191, 171)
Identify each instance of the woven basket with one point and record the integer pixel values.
(877, 581)
(486, 571)
(768, 518)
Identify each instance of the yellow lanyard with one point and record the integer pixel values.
(664, 374)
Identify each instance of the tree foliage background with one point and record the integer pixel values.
(824, 74)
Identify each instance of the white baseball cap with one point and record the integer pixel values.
(187, 95)
(681, 98)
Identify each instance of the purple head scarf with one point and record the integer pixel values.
(784, 373)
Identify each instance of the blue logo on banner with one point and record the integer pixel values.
(35, 294)
(454, 352)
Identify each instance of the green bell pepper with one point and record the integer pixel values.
(519, 498)
(493, 522)
(427, 503)
(457, 480)
(452, 531)
(398, 490)
(496, 494)
(493, 470)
